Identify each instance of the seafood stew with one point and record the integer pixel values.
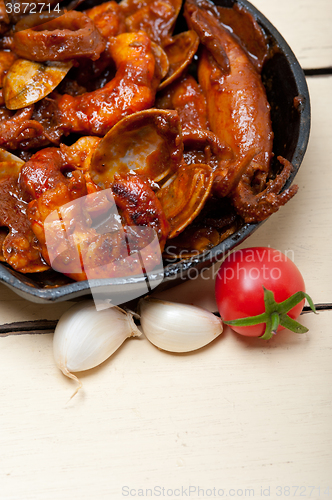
(219, 181)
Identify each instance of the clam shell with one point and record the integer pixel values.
(148, 143)
(180, 53)
(184, 194)
(10, 165)
(28, 82)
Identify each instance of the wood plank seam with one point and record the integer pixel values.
(318, 71)
(47, 326)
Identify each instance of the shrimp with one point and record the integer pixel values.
(132, 89)
(108, 18)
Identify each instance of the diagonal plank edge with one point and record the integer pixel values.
(21, 327)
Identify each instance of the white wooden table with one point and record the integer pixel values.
(241, 417)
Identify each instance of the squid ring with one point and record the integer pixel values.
(69, 36)
(19, 128)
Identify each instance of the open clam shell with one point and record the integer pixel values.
(162, 62)
(10, 165)
(180, 53)
(184, 194)
(28, 82)
(148, 142)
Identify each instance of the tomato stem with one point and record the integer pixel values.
(275, 322)
(276, 314)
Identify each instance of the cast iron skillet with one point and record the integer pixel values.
(284, 80)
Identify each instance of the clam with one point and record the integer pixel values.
(180, 52)
(28, 82)
(162, 62)
(148, 143)
(10, 165)
(183, 195)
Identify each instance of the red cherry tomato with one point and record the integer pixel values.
(240, 280)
